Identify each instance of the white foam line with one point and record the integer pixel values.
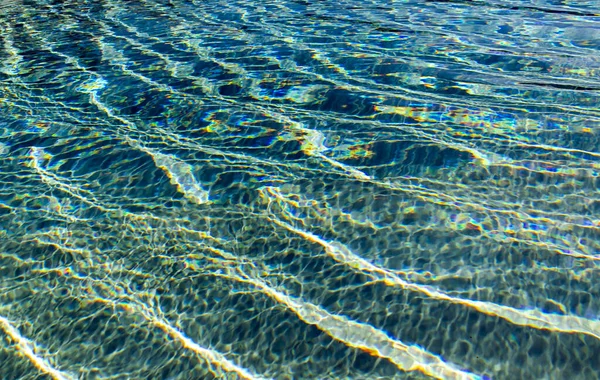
(210, 355)
(180, 175)
(10, 65)
(355, 173)
(26, 347)
(362, 336)
(531, 318)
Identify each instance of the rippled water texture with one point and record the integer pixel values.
(299, 189)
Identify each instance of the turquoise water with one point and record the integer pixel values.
(299, 189)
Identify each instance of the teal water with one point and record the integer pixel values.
(299, 189)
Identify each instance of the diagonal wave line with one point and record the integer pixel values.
(130, 304)
(530, 318)
(180, 174)
(439, 198)
(27, 347)
(210, 355)
(360, 335)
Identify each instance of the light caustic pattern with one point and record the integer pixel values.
(299, 190)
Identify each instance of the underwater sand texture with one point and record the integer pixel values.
(299, 189)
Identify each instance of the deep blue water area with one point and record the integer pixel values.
(289, 189)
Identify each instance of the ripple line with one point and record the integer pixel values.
(210, 355)
(361, 335)
(530, 318)
(27, 347)
(180, 175)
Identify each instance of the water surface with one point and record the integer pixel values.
(299, 189)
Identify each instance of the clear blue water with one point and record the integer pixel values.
(299, 189)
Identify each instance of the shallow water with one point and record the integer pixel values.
(299, 189)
